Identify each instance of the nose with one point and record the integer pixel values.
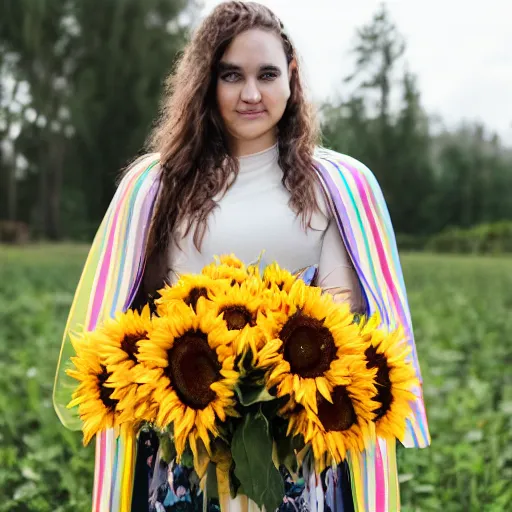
(250, 92)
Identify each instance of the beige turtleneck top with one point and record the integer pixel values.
(254, 216)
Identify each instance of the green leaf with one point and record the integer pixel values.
(244, 363)
(286, 445)
(249, 395)
(285, 455)
(271, 408)
(252, 453)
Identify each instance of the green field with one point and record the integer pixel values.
(462, 314)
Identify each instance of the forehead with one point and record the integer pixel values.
(255, 47)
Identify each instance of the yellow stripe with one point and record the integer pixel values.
(393, 471)
(128, 445)
(71, 319)
(355, 462)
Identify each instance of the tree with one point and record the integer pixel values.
(378, 48)
(411, 181)
(31, 31)
(394, 143)
(94, 71)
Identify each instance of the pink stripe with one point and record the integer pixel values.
(96, 305)
(405, 323)
(101, 472)
(96, 470)
(378, 243)
(105, 264)
(387, 274)
(380, 485)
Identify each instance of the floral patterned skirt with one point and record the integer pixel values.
(162, 487)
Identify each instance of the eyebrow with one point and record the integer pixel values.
(229, 66)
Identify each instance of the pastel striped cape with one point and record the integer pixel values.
(114, 269)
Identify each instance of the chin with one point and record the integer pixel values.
(252, 134)
(248, 137)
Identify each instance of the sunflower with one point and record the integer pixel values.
(342, 423)
(309, 344)
(239, 306)
(275, 277)
(187, 374)
(276, 283)
(97, 408)
(231, 261)
(117, 344)
(188, 289)
(227, 267)
(395, 380)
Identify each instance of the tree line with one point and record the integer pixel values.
(80, 84)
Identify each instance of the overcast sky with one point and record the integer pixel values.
(460, 50)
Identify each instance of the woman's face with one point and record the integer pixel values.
(253, 88)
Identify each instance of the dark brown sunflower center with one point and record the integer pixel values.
(129, 345)
(236, 317)
(382, 380)
(308, 346)
(194, 295)
(339, 415)
(105, 392)
(193, 367)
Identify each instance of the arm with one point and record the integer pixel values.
(358, 203)
(336, 275)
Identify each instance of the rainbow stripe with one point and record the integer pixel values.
(113, 272)
(362, 216)
(110, 279)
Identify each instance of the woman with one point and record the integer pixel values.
(236, 169)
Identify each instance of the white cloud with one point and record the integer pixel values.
(461, 51)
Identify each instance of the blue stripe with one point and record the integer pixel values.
(331, 189)
(374, 293)
(114, 473)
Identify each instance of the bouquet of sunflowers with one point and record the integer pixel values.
(244, 369)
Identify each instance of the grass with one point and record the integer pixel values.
(461, 313)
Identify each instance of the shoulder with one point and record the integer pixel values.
(351, 185)
(145, 168)
(345, 172)
(333, 162)
(140, 180)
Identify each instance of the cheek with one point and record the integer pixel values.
(227, 98)
(277, 96)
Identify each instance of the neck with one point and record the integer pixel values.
(262, 162)
(249, 147)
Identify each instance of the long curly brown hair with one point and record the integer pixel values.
(189, 135)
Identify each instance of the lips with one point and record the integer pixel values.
(251, 114)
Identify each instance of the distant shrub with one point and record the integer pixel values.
(492, 238)
(13, 232)
(411, 243)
